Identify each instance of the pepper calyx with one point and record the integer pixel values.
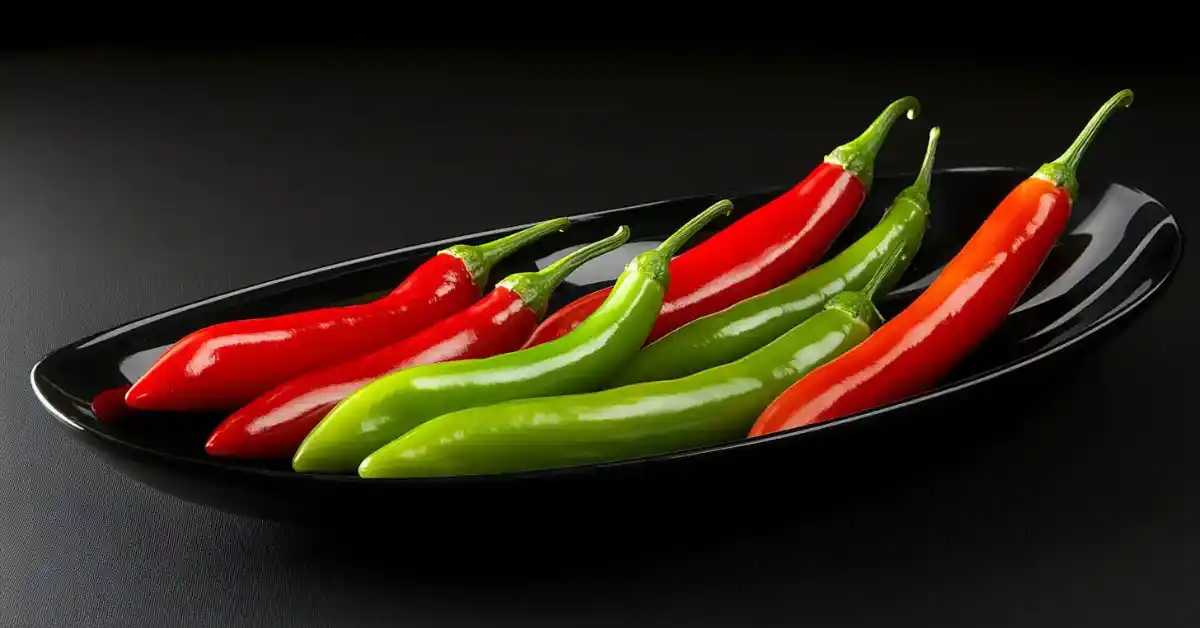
(858, 155)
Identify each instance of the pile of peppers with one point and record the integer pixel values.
(741, 336)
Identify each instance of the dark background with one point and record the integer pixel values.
(135, 179)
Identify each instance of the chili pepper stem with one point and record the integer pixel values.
(672, 244)
(1062, 171)
(535, 288)
(481, 258)
(657, 261)
(925, 176)
(863, 303)
(918, 192)
(858, 155)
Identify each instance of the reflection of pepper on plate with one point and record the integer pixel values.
(225, 366)
(274, 424)
(970, 298)
(580, 361)
(764, 248)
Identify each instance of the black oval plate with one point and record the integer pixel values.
(1121, 249)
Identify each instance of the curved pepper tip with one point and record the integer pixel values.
(169, 385)
(159, 390)
(232, 440)
(368, 468)
(306, 461)
(322, 455)
(392, 461)
(222, 445)
(142, 395)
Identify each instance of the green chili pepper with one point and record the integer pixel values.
(580, 361)
(729, 334)
(709, 407)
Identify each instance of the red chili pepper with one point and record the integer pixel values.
(224, 366)
(274, 425)
(766, 247)
(969, 299)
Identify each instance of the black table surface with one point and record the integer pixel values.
(132, 182)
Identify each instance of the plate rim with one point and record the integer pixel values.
(223, 466)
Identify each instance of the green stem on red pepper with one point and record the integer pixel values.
(481, 258)
(858, 155)
(1061, 171)
(535, 289)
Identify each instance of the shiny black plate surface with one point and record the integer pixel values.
(1121, 250)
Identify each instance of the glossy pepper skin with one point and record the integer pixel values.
(581, 361)
(969, 299)
(274, 424)
(738, 330)
(764, 248)
(225, 366)
(709, 407)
